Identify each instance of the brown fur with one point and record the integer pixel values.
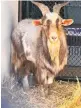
(44, 69)
(21, 66)
(63, 55)
(44, 63)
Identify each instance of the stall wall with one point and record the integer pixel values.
(9, 19)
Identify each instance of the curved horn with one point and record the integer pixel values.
(44, 9)
(57, 7)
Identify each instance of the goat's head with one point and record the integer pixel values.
(51, 22)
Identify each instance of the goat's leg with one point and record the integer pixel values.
(43, 90)
(44, 83)
(25, 82)
(50, 82)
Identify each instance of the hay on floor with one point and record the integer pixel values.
(75, 100)
(62, 93)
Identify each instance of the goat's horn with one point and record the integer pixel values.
(44, 9)
(57, 7)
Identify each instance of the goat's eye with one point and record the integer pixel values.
(49, 22)
(57, 22)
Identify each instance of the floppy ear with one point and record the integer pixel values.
(36, 22)
(67, 22)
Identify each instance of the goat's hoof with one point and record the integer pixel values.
(43, 92)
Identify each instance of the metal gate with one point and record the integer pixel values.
(72, 10)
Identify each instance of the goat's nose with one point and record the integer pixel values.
(53, 37)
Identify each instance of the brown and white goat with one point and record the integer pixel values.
(53, 51)
(43, 43)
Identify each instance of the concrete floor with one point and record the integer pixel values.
(13, 96)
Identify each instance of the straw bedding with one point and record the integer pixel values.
(62, 95)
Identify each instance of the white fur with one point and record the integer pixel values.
(43, 76)
(25, 82)
(24, 43)
(50, 79)
(27, 49)
(52, 16)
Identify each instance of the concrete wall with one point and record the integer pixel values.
(9, 19)
(13, 5)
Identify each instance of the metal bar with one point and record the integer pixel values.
(65, 78)
(19, 11)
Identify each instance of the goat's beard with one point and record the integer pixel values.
(53, 49)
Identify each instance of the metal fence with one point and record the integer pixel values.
(72, 10)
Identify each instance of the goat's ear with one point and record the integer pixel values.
(36, 22)
(67, 22)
